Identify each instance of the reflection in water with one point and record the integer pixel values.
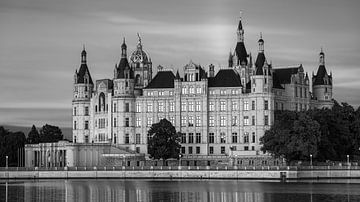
(176, 190)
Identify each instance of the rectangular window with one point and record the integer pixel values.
(246, 105)
(197, 150)
(296, 92)
(222, 150)
(198, 90)
(211, 121)
(127, 139)
(183, 121)
(198, 121)
(183, 137)
(74, 111)
(253, 137)
(222, 121)
(161, 106)
(74, 125)
(86, 111)
(211, 138)
(234, 121)
(191, 90)
(211, 150)
(127, 107)
(87, 139)
(127, 122)
(171, 106)
(234, 105)
(138, 121)
(246, 120)
(266, 105)
(184, 90)
(253, 105)
(183, 106)
(114, 109)
(114, 124)
(246, 137)
(222, 106)
(137, 138)
(149, 107)
(138, 107)
(198, 106)
(222, 92)
(222, 137)
(101, 123)
(246, 148)
(253, 120)
(149, 121)
(234, 137)
(183, 150)
(172, 120)
(190, 150)
(266, 120)
(300, 92)
(86, 127)
(191, 121)
(191, 138)
(198, 137)
(161, 93)
(191, 106)
(305, 93)
(211, 106)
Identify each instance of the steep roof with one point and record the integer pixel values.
(259, 64)
(163, 79)
(276, 81)
(320, 75)
(225, 78)
(284, 74)
(81, 74)
(241, 53)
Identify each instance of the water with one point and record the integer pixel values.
(178, 190)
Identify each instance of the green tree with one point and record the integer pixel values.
(164, 141)
(10, 142)
(49, 133)
(33, 136)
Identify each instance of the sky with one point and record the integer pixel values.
(41, 41)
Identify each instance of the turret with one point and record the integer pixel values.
(211, 70)
(83, 84)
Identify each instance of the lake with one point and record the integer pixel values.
(178, 190)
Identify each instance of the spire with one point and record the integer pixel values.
(123, 49)
(83, 55)
(230, 59)
(139, 46)
(261, 44)
(321, 58)
(177, 75)
(240, 31)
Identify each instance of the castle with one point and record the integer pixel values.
(218, 114)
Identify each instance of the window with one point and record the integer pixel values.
(191, 90)
(247, 148)
(222, 121)
(222, 92)
(296, 93)
(184, 90)
(211, 150)
(234, 137)
(198, 137)
(114, 108)
(266, 105)
(211, 138)
(183, 106)
(127, 107)
(149, 106)
(222, 137)
(191, 138)
(95, 108)
(171, 106)
(211, 106)
(127, 139)
(246, 120)
(191, 106)
(161, 93)
(190, 150)
(222, 150)
(234, 92)
(74, 125)
(266, 120)
(114, 122)
(198, 121)
(138, 121)
(183, 137)
(127, 122)
(183, 121)
(246, 105)
(137, 138)
(172, 120)
(138, 107)
(234, 121)
(234, 105)
(211, 121)
(86, 111)
(222, 106)
(101, 123)
(253, 105)
(305, 93)
(183, 150)
(198, 106)
(253, 120)
(191, 121)
(198, 150)
(276, 106)
(198, 90)
(300, 92)
(246, 137)
(161, 106)
(253, 137)
(87, 139)
(74, 111)
(149, 121)
(296, 107)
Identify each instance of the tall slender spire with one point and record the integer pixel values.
(261, 44)
(83, 55)
(139, 46)
(322, 58)
(123, 49)
(240, 31)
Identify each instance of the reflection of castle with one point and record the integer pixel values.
(218, 114)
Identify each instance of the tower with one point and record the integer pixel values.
(82, 92)
(322, 84)
(141, 64)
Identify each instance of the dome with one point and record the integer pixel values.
(139, 56)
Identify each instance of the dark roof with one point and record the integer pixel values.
(284, 75)
(177, 75)
(240, 25)
(225, 78)
(122, 68)
(241, 53)
(163, 79)
(320, 75)
(259, 64)
(276, 81)
(81, 74)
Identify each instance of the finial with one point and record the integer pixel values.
(83, 46)
(260, 35)
(241, 14)
(139, 37)
(124, 40)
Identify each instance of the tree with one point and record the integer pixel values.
(33, 136)
(49, 133)
(164, 141)
(10, 142)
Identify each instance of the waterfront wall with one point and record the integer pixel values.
(185, 173)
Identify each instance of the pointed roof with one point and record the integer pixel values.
(284, 74)
(259, 64)
(241, 53)
(225, 78)
(320, 75)
(177, 75)
(163, 79)
(83, 70)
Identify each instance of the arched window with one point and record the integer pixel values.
(137, 79)
(101, 102)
